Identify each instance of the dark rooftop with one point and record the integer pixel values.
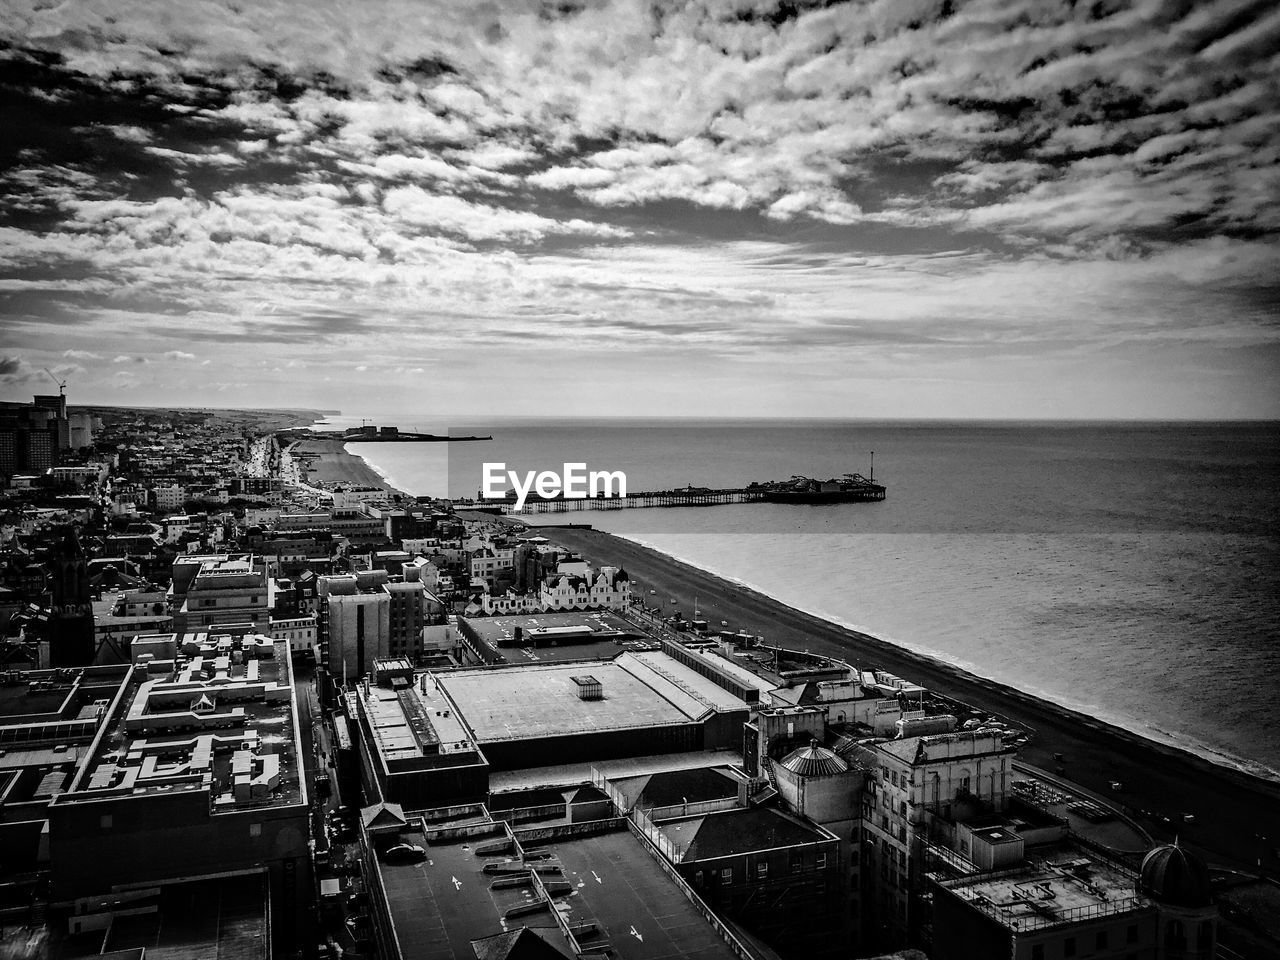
(732, 832)
(439, 907)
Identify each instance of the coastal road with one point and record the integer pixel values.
(1237, 817)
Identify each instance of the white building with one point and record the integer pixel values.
(168, 496)
(301, 632)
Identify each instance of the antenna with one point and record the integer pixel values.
(62, 384)
(873, 466)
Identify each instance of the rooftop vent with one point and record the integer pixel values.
(588, 688)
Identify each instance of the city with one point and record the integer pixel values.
(256, 699)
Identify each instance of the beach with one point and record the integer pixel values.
(1234, 812)
(327, 462)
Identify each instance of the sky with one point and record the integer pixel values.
(732, 207)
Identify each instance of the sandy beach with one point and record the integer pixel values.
(1232, 810)
(328, 462)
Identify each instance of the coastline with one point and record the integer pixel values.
(330, 462)
(1162, 779)
(1170, 740)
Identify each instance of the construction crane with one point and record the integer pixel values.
(62, 384)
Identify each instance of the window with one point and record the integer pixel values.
(104, 821)
(726, 875)
(820, 861)
(762, 870)
(1069, 947)
(255, 829)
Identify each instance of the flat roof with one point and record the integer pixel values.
(204, 721)
(411, 723)
(541, 700)
(495, 630)
(640, 909)
(1066, 887)
(440, 905)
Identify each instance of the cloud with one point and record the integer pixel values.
(477, 221)
(81, 355)
(179, 355)
(825, 182)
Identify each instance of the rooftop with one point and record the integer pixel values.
(414, 722)
(573, 635)
(541, 700)
(666, 787)
(440, 906)
(1068, 886)
(219, 717)
(728, 833)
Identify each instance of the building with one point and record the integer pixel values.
(536, 714)
(301, 633)
(69, 632)
(493, 891)
(168, 497)
(763, 867)
(194, 774)
(608, 588)
(367, 616)
(414, 748)
(1069, 901)
(222, 591)
(818, 785)
(48, 720)
(917, 789)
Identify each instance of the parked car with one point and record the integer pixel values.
(404, 853)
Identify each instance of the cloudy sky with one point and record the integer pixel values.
(896, 208)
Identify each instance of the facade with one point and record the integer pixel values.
(609, 588)
(69, 631)
(301, 633)
(761, 866)
(222, 592)
(917, 788)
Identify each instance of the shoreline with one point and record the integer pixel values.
(330, 462)
(1157, 777)
(1184, 745)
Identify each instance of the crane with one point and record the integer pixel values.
(62, 384)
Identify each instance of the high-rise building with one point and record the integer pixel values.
(69, 632)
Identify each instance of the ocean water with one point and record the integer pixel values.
(1128, 570)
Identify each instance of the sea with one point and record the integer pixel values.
(1127, 570)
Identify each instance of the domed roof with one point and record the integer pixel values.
(814, 761)
(1176, 876)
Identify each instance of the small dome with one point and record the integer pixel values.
(1175, 876)
(814, 761)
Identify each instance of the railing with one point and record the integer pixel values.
(727, 935)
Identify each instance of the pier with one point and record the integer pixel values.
(799, 490)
